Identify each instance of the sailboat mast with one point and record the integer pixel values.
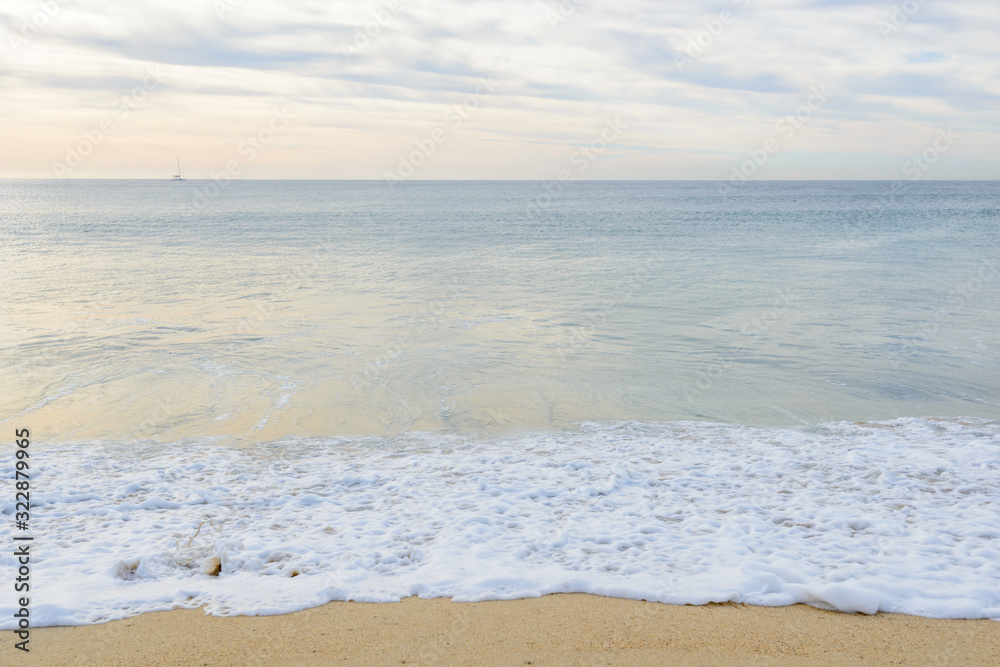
(178, 176)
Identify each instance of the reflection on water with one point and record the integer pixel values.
(318, 308)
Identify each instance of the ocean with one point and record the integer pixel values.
(261, 396)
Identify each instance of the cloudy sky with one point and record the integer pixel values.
(499, 89)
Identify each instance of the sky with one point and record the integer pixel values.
(513, 89)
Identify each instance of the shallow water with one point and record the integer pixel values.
(478, 390)
(337, 308)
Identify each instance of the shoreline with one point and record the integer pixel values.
(561, 629)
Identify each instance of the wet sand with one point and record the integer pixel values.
(552, 630)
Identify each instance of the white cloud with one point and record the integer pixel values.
(355, 113)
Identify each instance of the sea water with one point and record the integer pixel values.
(260, 396)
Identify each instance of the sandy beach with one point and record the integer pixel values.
(552, 630)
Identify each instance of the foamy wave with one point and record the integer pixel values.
(896, 516)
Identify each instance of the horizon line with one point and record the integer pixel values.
(529, 180)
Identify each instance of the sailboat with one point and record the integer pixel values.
(178, 176)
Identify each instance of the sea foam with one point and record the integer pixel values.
(899, 516)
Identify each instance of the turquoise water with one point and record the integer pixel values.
(142, 310)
